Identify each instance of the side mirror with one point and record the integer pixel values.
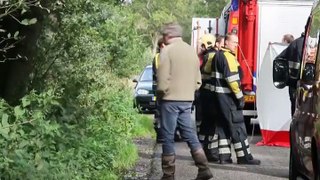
(135, 80)
(308, 72)
(280, 73)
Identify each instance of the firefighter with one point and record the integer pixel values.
(155, 65)
(213, 138)
(212, 146)
(229, 101)
(205, 108)
(293, 54)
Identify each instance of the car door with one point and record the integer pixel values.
(307, 90)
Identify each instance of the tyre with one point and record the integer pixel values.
(293, 170)
(315, 162)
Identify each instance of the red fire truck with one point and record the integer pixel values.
(258, 23)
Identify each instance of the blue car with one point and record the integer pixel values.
(144, 94)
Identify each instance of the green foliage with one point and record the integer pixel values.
(15, 10)
(77, 122)
(209, 8)
(143, 126)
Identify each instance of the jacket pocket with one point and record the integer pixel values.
(237, 116)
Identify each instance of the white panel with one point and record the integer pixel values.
(277, 18)
(273, 105)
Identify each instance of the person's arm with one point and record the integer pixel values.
(163, 72)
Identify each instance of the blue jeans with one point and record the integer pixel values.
(177, 114)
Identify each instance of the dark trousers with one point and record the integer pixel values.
(206, 132)
(292, 95)
(231, 121)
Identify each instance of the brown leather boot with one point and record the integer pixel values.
(201, 162)
(168, 167)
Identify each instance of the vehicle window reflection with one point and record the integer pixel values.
(146, 75)
(309, 64)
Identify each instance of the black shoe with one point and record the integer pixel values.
(249, 162)
(227, 161)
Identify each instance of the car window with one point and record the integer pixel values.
(146, 75)
(314, 46)
(310, 54)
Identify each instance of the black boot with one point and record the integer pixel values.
(226, 161)
(168, 167)
(201, 162)
(212, 155)
(248, 161)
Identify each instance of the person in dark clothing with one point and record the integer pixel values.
(155, 65)
(293, 54)
(205, 117)
(229, 101)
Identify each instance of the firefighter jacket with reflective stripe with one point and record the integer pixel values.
(226, 74)
(293, 54)
(205, 68)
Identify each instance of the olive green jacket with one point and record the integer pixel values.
(178, 75)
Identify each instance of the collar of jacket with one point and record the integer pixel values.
(175, 39)
(227, 50)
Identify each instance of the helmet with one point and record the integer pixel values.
(208, 40)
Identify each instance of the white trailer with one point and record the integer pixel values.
(201, 26)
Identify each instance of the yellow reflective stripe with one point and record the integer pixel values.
(157, 60)
(232, 62)
(207, 66)
(236, 89)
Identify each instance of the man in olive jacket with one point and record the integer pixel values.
(178, 77)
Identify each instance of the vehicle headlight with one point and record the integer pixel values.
(142, 92)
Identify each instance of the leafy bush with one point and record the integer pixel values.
(77, 120)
